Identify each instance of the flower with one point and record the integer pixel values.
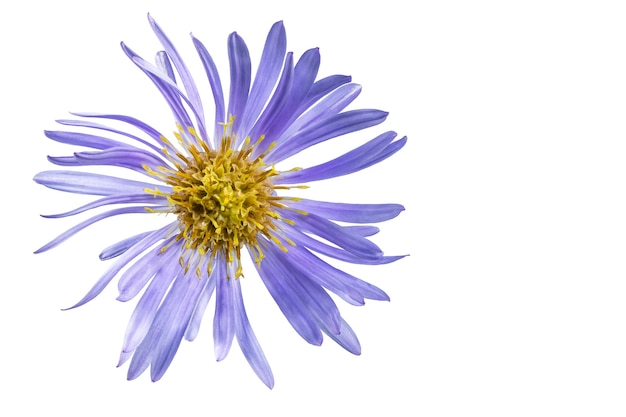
(226, 195)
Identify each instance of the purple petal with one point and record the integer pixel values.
(266, 77)
(348, 287)
(122, 261)
(214, 81)
(185, 75)
(322, 87)
(352, 213)
(248, 342)
(274, 107)
(304, 75)
(94, 184)
(174, 326)
(80, 226)
(145, 311)
(168, 89)
(323, 274)
(122, 246)
(328, 106)
(357, 159)
(161, 343)
(201, 305)
(134, 159)
(338, 125)
(334, 233)
(313, 244)
(240, 74)
(84, 123)
(346, 338)
(83, 139)
(115, 199)
(275, 278)
(224, 319)
(364, 231)
(149, 130)
(163, 62)
(135, 278)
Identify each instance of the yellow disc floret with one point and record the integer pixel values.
(223, 198)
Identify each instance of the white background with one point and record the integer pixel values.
(512, 301)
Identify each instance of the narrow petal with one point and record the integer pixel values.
(185, 75)
(324, 249)
(224, 319)
(135, 278)
(338, 125)
(201, 305)
(275, 278)
(304, 75)
(147, 129)
(161, 343)
(330, 105)
(322, 87)
(376, 150)
(352, 213)
(134, 159)
(364, 231)
(320, 272)
(145, 311)
(240, 75)
(163, 62)
(93, 184)
(92, 125)
(83, 139)
(348, 287)
(248, 342)
(114, 199)
(346, 338)
(214, 81)
(122, 246)
(80, 226)
(274, 108)
(170, 91)
(265, 78)
(334, 233)
(174, 326)
(121, 262)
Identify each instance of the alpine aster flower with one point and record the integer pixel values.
(227, 197)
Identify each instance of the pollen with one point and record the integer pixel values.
(223, 199)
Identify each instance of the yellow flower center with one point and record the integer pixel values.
(223, 198)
